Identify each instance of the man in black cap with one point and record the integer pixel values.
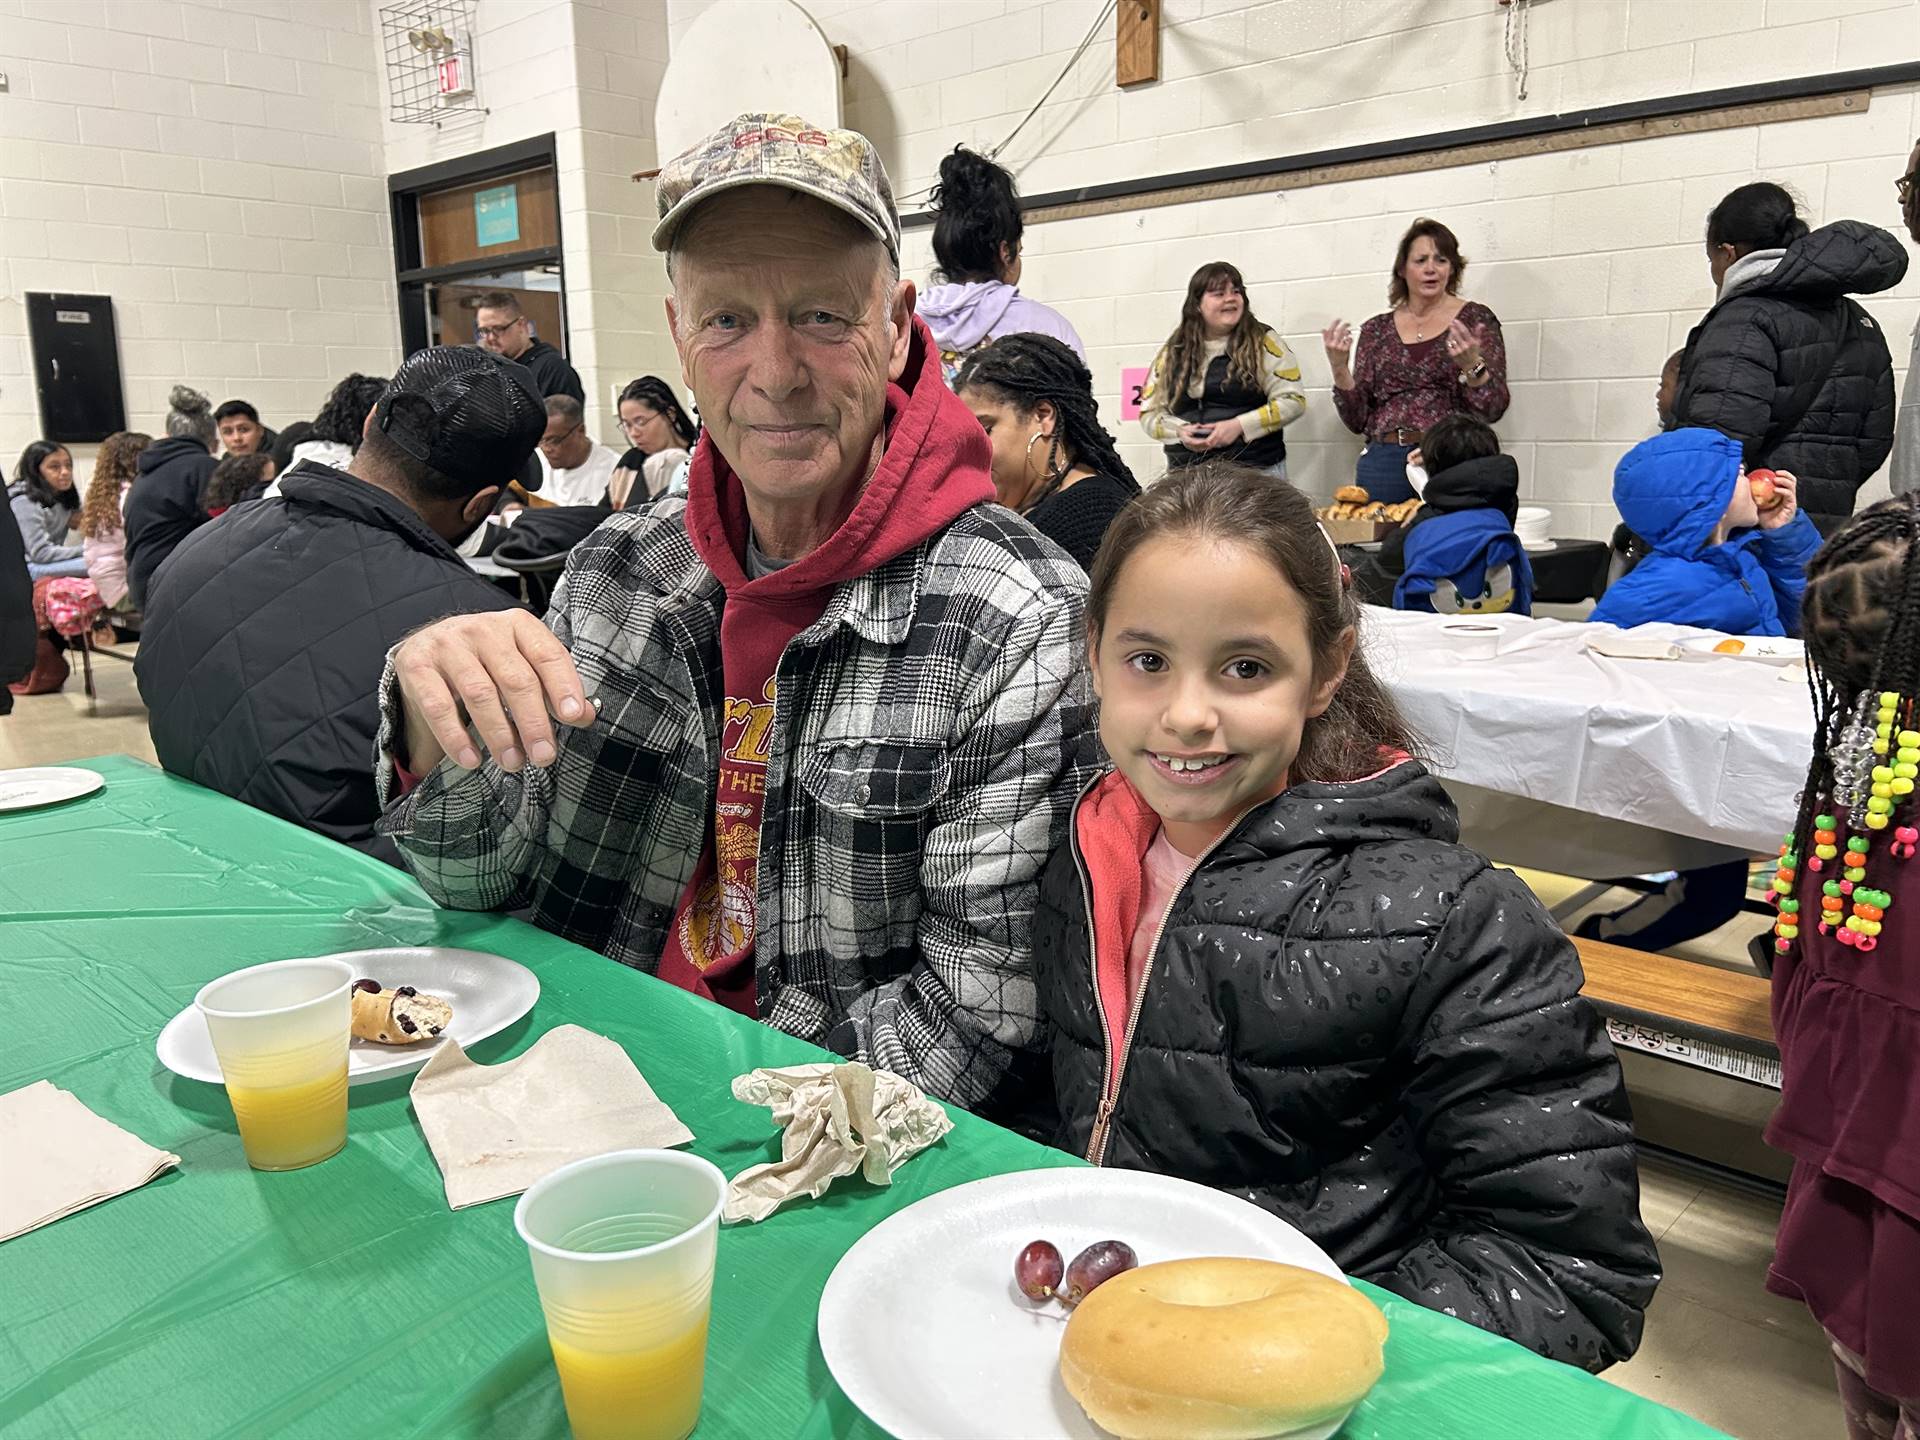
(266, 631)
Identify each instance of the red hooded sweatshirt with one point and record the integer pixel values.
(933, 469)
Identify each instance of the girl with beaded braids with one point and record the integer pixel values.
(1053, 461)
(1846, 973)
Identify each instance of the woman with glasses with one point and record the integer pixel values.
(1784, 361)
(1428, 355)
(654, 423)
(1224, 386)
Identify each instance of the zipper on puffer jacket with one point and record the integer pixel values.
(1114, 1066)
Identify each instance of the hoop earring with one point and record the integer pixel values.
(1035, 439)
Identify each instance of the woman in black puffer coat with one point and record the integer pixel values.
(1335, 1011)
(1784, 362)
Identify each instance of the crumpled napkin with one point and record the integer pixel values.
(495, 1129)
(838, 1118)
(59, 1157)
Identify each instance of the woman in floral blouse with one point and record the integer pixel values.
(1430, 355)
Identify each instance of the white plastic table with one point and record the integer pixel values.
(1708, 749)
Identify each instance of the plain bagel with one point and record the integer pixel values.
(1220, 1349)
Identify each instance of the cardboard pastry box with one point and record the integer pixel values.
(1356, 532)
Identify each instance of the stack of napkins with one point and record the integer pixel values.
(495, 1129)
(837, 1118)
(59, 1157)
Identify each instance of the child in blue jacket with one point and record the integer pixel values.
(1718, 561)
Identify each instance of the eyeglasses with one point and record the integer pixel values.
(494, 332)
(550, 442)
(1903, 187)
(639, 423)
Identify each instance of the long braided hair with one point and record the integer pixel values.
(1860, 618)
(1021, 371)
(652, 391)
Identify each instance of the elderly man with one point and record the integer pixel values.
(839, 709)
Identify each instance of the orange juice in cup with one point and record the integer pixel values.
(651, 1393)
(623, 1248)
(281, 1032)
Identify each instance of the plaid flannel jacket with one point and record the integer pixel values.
(932, 729)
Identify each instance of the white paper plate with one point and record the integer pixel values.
(487, 992)
(1767, 649)
(1540, 547)
(30, 789)
(924, 1329)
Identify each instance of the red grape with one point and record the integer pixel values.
(1037, 1270)
(1094, 1266)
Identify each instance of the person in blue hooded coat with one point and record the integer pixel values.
(1718, 561)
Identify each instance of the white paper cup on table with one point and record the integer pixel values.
(623, 1247)
(281, 1031)
(1472, 639)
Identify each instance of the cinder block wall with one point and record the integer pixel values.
(219, 172)
(1593, 259)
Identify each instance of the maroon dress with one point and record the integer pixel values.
(1849, 1031)
(1397, 386)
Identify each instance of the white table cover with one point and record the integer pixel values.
(1710, 747)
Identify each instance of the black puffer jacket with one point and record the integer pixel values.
(1368, 1030)
(265, 637)
(164, 507)
(1797, 372)
(1488, 482)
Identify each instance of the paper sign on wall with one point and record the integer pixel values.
(496, 215)
(1133, 379)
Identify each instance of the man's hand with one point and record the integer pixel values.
(1786, 501)
(505, 672)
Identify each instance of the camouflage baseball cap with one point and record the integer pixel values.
(840, 167)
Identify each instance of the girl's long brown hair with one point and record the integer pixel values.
(1186, 347)
(1219, 501)
(113, 466)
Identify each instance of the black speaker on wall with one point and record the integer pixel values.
(76, 366)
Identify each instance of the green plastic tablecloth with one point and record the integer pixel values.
(347, 1299)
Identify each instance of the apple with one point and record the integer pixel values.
(1766, 495)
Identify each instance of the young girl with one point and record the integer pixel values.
(235, 480)
(103, 525)
(1224, 385)
(1053, 461)
(1267, 967)
(1846, 976)
(44, 500)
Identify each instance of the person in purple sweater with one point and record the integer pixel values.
(977, 243)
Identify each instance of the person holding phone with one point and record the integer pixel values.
(1224, 386)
